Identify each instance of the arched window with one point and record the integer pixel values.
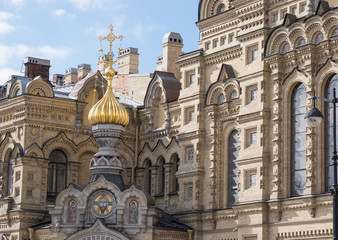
(57, 173)
(301, 42)
(335, 32)
(161, 176)
(147, 176)
(221, 99)
(18, 92)
(333, 83)
(10, 174)
(285, 48)
(298, 141)
(221, 8)
(318, 38)
(233, 95)
(232, 168)
(174, 170)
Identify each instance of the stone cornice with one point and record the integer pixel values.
(224, 55)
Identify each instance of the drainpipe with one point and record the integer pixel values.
(136, 147)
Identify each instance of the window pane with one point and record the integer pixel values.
(329, 147)
(298, 146)
(300, 181)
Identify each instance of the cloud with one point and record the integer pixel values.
(5, 15)
(6, 28)
(142, 31)
(59, 12)
(17, 52)
(6, 72)
(20, 51)
(84, 5)
(17, 3)
(62, 13)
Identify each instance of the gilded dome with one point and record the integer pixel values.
(108, 109)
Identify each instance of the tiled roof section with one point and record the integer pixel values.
(63, 91)
(80, 84)
(127, 101)
(168, 222)
(171, 85)
(41, 225)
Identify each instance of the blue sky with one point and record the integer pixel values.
(66, 31)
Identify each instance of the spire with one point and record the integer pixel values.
(108, 117)
(108, 109)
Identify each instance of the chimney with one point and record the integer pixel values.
(128, 61)
(172, 44)
(58, 79)
(71, 76)
(102, 64)
(37, 67)
(83, 70)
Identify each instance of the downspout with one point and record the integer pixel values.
(136, 147)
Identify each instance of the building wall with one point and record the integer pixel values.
(240, 52)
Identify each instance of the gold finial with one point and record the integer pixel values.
(111, 37)
(108, 109)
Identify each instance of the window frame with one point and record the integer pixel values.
(56, 167)
(300, 133)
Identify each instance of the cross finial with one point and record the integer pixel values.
(111, 37)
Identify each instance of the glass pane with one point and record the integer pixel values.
(300, 181)
(329, 147)
(58, 156)
(319, 38)
(298, 156)
(61, 178)
(51, 177)
(300, 142)
(300, 160)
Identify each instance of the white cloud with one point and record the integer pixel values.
(142, 31)
(51, 52)
(6, 27)
(18, 52)
(59, 12)
(17, 3)
(90, 4)
(6, 72)
(5, 15)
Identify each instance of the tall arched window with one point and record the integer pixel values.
(147, 176)
(298, 141)
(333, 83)
(57, 173)
(174, 170)
(161, 176)
(232, 168)
(10, 173)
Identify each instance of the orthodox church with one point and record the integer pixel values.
(212, 145)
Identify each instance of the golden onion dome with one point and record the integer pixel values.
(108, 109)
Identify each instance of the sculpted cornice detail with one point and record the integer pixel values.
(224, 56)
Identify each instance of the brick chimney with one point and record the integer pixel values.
(71, 76)
(37, 67)
(83, 70)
